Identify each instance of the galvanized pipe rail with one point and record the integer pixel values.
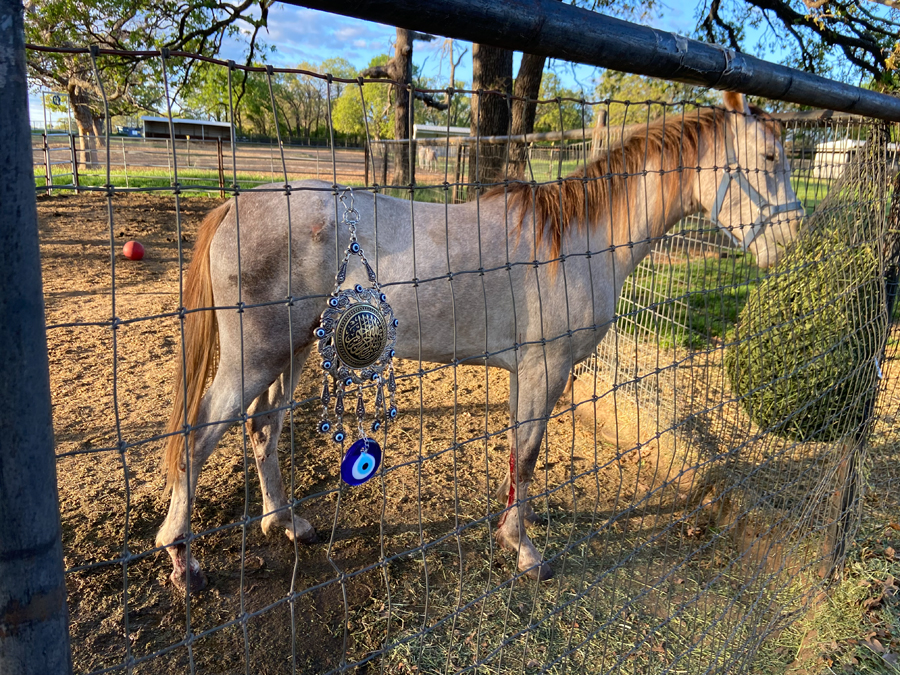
(558, 30)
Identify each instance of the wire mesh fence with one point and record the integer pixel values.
(137, 162)
(683, 529)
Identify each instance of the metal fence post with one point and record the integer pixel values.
(34, 636)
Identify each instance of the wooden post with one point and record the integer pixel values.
(459, 150)
(221, 167)
(74, 152)
(366, 161)
(125, 162)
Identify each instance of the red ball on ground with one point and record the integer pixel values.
(133, 250)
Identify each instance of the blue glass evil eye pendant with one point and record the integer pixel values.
(361, 462)
(356, 337)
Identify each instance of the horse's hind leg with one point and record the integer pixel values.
(263, 428)
(219, 409)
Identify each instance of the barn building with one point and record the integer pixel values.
(201, 130)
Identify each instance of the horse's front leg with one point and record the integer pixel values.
(263, 428)
(532, 397)
(502, 492)
(503, 489)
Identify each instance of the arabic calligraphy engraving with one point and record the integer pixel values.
(361, 336)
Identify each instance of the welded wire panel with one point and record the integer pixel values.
(686, 525)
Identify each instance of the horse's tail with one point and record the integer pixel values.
(197, 363)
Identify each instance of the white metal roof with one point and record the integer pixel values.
(176, 120)
(438, 130)
(848, 144)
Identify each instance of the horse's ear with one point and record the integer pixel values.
(736, 102)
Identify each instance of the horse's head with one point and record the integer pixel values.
(749, 194)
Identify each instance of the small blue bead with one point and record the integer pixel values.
(396, 322)
(338, 437)
(348, 382)
(376, 425)
(383, 297)
(392, 353)
(320, 332)
(326, 365)
(358, 288)
(354, 247)
(324, 427)
(392, 412)
(374, 377)
(333, 302)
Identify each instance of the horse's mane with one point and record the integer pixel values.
(665, 146)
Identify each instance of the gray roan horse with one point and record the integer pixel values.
(534, 319)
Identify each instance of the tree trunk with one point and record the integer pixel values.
(401, 71)
(528, 86)
(84, 120)
(491, 69)
(598, 135)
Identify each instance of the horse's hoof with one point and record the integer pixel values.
(294, 527)
(307, 536)
(302, 532)
(542, 572)
(198, 580)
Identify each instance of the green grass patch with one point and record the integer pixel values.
(810, 191)
(687, 303)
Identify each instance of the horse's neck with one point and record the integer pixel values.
(651, 221)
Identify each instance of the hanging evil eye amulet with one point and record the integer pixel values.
(356, 336)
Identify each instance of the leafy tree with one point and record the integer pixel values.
(492, 69)
(847, 39)
(567, 114)
(400, 69)
(301, 100)
(349, 115)
(304, 98)
(130, 82)
(627, 95)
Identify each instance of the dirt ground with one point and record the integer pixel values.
(406, 561)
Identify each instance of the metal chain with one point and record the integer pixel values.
(351, 218)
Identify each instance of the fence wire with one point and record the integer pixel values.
(682, 534)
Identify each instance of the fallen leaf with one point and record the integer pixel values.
(875, 645)
(872, 603)
(890, 552)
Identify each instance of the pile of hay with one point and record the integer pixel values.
(804, 358)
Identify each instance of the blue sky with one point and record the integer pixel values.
(301, 34)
